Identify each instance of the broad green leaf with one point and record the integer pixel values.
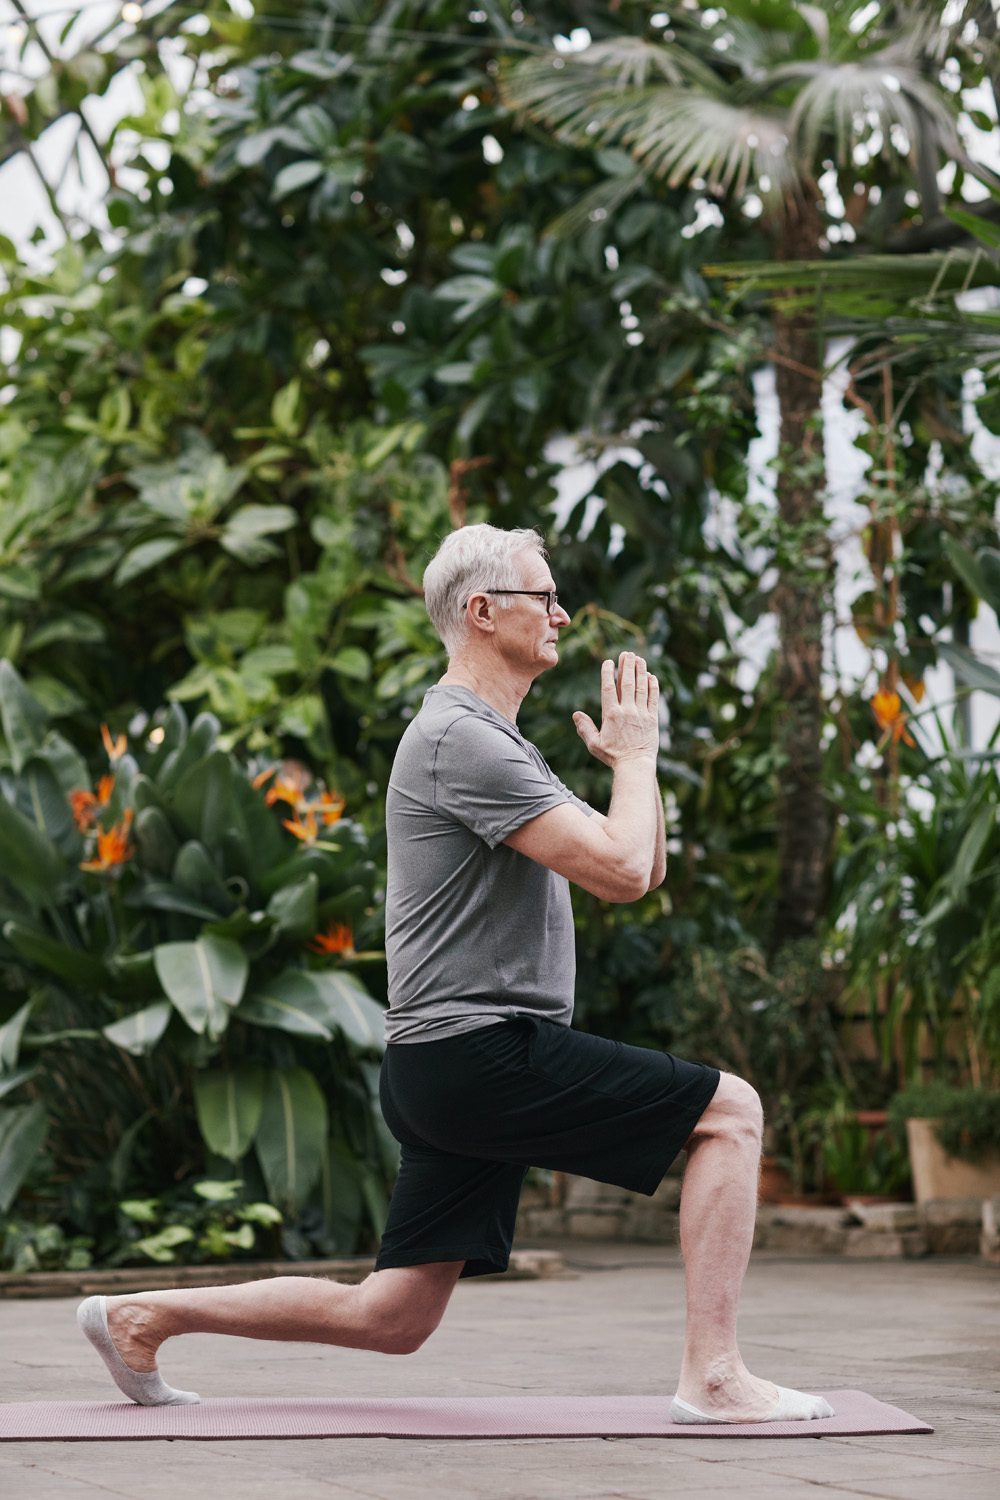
(194, 873)
(71, 964)
(970, 849)
(204, 798)
(155, 839)
(160, 895)
(343, 1204)
(73, 626)
(296, 175)
(203, 980)
(965, 564)
(291, 1136)
(11, 1081)
(160, 1247)
(260, 520)
(64, 760)
(970, 670)
(284, 415)
(290, 1002)
(351, 1009)
(23, 718)
(23, 1128)
(140, 1032)
(229, 1107)
(219, 1192)
(259, 1213)
(147, 555)
(293, 908)
(10, 1035)
(351, 661)
(20, 582)
(988, 559)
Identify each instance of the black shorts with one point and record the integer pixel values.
(472, 1113)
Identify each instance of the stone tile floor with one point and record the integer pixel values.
(924, 1335)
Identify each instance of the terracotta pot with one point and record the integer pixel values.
(775, 1183)
(938, 1175)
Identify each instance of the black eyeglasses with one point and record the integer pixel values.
(549, 595)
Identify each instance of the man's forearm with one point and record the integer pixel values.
(633, 825)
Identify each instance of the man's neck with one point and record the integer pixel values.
(500, 692)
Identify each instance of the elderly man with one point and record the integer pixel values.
(483, 1075)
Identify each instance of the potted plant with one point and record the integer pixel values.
(774, 1024)
(953, 1136)
(857, 1157)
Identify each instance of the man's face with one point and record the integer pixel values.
(527, 631)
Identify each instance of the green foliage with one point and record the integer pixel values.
(203, 1221)
(918, 900)
(772, 1023)
(27, 1246)
(176, 1011)
(967, 1120)
(346, 307)
(845, 1154)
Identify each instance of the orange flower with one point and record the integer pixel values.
(305, 831)
(890, 715)
(337, 938)
(116, 748)
(112, 845)
(282, 791)
(86, 806)
(262, 776)
(331, 806)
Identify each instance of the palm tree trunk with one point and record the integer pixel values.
(801, 602)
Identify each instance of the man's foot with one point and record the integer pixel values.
(132, 1326)
(738, 1396)
(146, 1386)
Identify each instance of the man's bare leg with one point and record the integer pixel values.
(392, 1311)
(718, 1213)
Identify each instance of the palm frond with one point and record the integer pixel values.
(908, 303)
(675, 133)
(901, 278)
(841, 98)
(633, 62)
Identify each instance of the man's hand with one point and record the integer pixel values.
(629, 724)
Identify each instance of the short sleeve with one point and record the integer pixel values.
(487, 779)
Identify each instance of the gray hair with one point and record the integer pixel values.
(468, 561)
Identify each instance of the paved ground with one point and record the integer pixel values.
(924, 1335)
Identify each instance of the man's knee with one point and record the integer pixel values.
(405, 1306)
(735, 1111)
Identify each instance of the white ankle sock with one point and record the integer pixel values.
(147, 1387)
(792, 1406)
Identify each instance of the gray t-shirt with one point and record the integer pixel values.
(475, 932)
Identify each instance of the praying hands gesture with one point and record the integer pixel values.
(629, 723)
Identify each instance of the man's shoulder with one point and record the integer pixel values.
(462, 719)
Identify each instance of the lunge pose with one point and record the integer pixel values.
(483, 1074)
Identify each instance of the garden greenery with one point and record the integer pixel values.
(346, 298)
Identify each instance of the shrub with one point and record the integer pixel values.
(177, 957)
(967, 1119)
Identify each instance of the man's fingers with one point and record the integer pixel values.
(628, 677)
(585, 728)
(609, 693)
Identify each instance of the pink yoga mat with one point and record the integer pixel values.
(421, 1416)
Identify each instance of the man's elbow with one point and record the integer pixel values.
(633, 884)
(658, 876)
